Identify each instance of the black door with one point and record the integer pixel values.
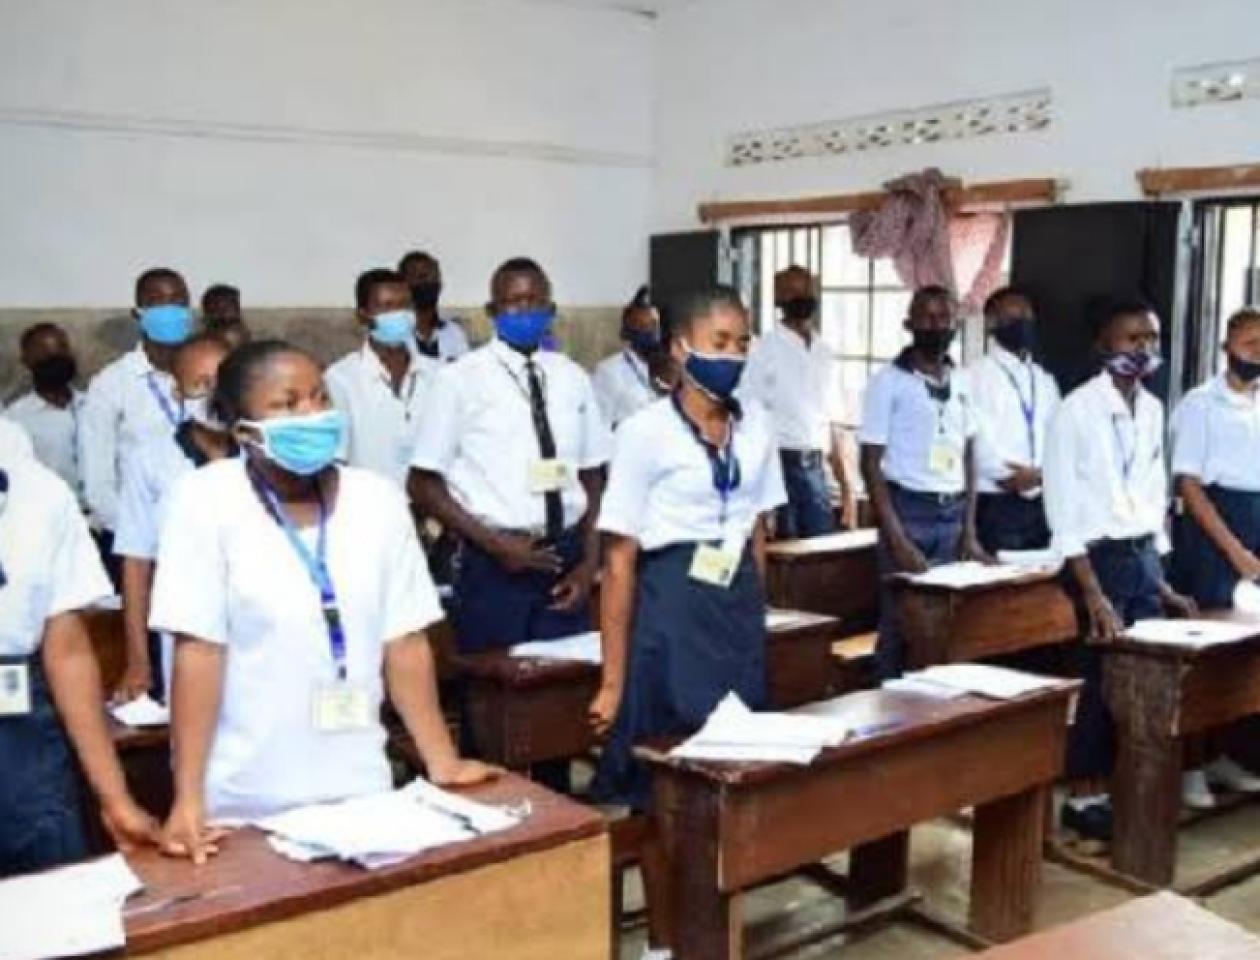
(681, 264)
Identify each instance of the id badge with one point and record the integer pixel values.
(943, 459)
(1122, 507)
(341, 708)
(15, 690)
(548, 476)
(713, 565)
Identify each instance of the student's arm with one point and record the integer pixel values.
(616, 606)
(411, 681)
(907, 556)
(75, 682)
(137, 589)
(760, 536)
(840, 468)
(1203, 512)
(575, 587)
(970, 546)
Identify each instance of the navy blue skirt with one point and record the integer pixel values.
(1199, 569)
(691, 644)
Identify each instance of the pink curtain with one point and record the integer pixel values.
(977, 244)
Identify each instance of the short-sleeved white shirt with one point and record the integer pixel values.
(1003, 387)
(1216, 436)
(149, 473)
(623, 386)
(227, 574)
(15, 442)
(54, 432)
(478, 433)
(660, 484)
(49, 560)
(797, 383)
(452, 341)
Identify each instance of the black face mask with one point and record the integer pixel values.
(425, 296)
(54, 372)
(933, 343)
(1018, 336)
(799, 308)
(1245, 370)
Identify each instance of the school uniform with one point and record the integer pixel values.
(1106, 498)
(54, 433)
(380, 424)
(924, 428)
(493, 419)
(15, 442)
(447, 343)
(796, 381)
(228, 574)
(1216, 440)
(691, 641)
(623, 386)
(50, 568)
(1014, 401)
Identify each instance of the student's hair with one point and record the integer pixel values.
(1004, 293)
(152, 275)
(932, 291)
(203, 339)
(242, 369)
(218, 291)
(518, 265)
(694, 307)
(1241, 318)
(794, 269)
(411, 256)
(27, 340)
(370, 280)
(1102, 312)
(642, 300)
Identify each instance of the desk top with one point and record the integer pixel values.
(883, 718)
(906, 581)
(1160, 927)
(1175, 651)
(850, 541)
(249, 884)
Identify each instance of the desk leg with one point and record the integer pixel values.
(1006, 864)
(878, 870)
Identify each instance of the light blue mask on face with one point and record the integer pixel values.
(393, 329)
(169, 324)
(304, 444)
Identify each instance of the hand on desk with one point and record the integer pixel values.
(971, 550)
(462, 773)
(907, 556)
(136, 681)
(129, 826)
(1176, 604)
(1104, 624)
(187, 835)
(574, 588)
(603, 710)
(519, 554)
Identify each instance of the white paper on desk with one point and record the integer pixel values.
(583, 647)
(67, 912)
(778, 619)
(1048, 560)
(968, 573)
(914, 683)
(1190, 633)
(1247, 598)
(996, 683)
(733, 732)
(144, 711)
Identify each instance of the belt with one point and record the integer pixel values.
(940, 499)
(536, 533)
(1133, 544)
(800, 456)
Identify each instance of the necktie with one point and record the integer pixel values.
(546, 447)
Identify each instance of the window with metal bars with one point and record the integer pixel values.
(1225, 276)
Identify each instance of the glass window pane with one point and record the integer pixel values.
(888, 326)
(885, 273)
(841, 267)
(846, 322)
(1235, 259)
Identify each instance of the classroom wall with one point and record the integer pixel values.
(726, 66)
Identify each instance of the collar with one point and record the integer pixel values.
(1228, 395)
(139, 361)
(372, 363)
(788, 335)
(1005, 358)
(439, 324)
(514, 359)
(1113, 400)
(902, 362)
(33, 397)
(635, 359)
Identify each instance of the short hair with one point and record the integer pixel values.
(219, 290)
(1241, 318)
(642, 300)
(794, 269)
(518, 265)
(370, 280)
(241, 370)
(994, 299)
(1102, 312)
(205, 338)
(27, 340)
(413, 255)
(922, 295)
(696, 306)
(154, 274)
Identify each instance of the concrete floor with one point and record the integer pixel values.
(940, 863)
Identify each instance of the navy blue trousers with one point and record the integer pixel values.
(808, 512)
(1199, 569)
(1007, 521)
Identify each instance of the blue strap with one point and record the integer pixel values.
(1029, 409)
(168, 409)
(722, 460)
(638, 374)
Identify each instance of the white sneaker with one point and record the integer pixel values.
(1195, 793)
(1227, 773)
(650, 953)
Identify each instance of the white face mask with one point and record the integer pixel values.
(197, 409)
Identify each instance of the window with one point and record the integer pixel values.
(1226, 276)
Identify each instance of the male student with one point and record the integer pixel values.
(624, 383)
(380, 387)
(441, 338)
(133, 398)
(1106, 500)
(793, 373)
(51, 409)
(221, 314)
(917, 452)
(1015, 400)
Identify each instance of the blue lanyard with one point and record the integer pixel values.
(638, 374)
(316, 566)
(166, 406)
(1126, 460)
(722, 460)
(1029, 409)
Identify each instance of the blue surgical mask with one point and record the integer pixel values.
(303, 444)
(716, 374)
(169, 324)
(526, 329)
(393, 329)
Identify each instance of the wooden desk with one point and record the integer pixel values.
(834, 575)
(1159, 927)
(536, 892)
(1159, 694)
(961, 624)
(524, 711)
(729, 826)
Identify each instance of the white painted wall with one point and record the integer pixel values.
(284, 145)
(732, 65)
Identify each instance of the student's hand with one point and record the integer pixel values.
(971, 550)
(135, 682)
(129, 826)
(1249, 568)
(519, 554)
(574, 588)
(1176, 604)
(1104, 624)
(603, 710)
(1021, 479)
(848, 512)
(458, 772)
(908, 557)
(186, 834)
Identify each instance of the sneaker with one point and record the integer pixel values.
(1091, 822)
(1195, 793)
(1227, 773)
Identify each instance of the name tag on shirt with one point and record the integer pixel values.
(15, 690)
(715, 566)
(341, 708)
(944, 459)
(549, 476)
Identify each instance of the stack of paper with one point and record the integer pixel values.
(381, 829)
(957, 679)
(65, 913)
(141, 712)
(1047, 559)
(968, 573)
(583, 647)
(1191, 633)
(778, 619)
(735, 733)
(1247, 598)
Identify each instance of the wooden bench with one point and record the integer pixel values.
(854, 662)
(834, 575)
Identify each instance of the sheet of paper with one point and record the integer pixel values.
(924, 688)
(996, 683)
(583, 647)
(1048, 560)
(1247, 598)
(68, 912)
(778, 619)
(141, 712)
(1190, 633)
(968, 573)
(733, 732)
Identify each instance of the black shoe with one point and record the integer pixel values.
(1090, 823)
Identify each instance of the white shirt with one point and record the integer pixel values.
(924, 440)
(1216, 436)
(623, 386)
(47, 553)
(54, 433)
(1005, 393)
(380, 424)
(478, 433)
(660, 485)
(126, 402)
(227, 574)
(452, 341)
(15, 442)
(1087, 494)
(797, 384)
(147, 478)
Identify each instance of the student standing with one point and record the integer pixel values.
(298, 596)
(221, 314)
(917, 443)
(1106, 500)
(440, 338)
(50, 412)
(624, 382)
(52, 718)
(793, 373)
(381, 386)
(148, 476)
(1015, 400)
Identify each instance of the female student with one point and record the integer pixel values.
(52, 719)
(297, 593)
